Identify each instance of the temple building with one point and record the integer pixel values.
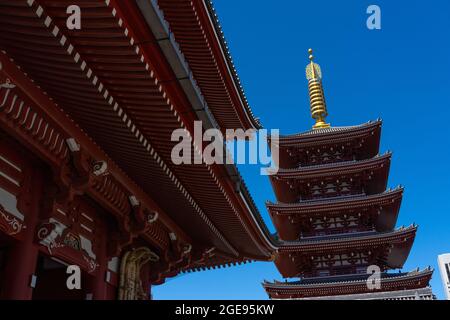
(86, 177)
(334, 217)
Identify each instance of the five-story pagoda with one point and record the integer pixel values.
(335, 220)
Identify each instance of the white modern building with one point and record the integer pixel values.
(444, 269)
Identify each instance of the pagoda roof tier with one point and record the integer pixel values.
(365, 176)
(388, 250)
(379, 211)
(361, 141)
(346, 285)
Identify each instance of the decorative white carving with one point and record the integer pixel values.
(9, 204)
(100, 168)
(12, 221)
(7, 85)
(86, 246)
(48, 233)
(92, 264)
(152, 217)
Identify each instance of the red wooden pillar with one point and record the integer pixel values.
(99, 286)
(22, 257)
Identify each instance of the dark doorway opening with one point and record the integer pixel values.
(5, 244)
(51, 282)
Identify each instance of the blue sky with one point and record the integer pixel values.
(400, 73)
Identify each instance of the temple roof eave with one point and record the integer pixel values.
(133, 129)
(344, 202)
(195, 29)
(340, 168)
(348, 240)
(286, 182)
(347, 281)
(381, 209)
(318, 136)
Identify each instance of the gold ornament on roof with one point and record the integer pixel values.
(316, 95)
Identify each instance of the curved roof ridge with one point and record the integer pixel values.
(229, 59)
(366, 235)
(335, 165)
(386, 276)
(335, 200)
(324, 131)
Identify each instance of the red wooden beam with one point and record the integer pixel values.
(47, 107)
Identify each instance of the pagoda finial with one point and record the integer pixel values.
(316, 95)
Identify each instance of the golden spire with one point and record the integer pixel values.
(316, 96)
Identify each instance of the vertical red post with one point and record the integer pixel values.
(22, 257)
(99, 286)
